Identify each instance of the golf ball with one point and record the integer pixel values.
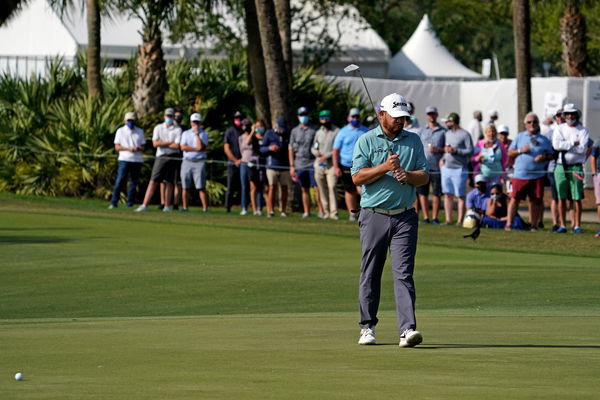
(19, 376)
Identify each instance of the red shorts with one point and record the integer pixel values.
(521, 188)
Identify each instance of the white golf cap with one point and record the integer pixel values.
(130, 116)
(503, 128)
(493, 113)
(431, 109)
(196, 117)
(570, 108)
(395, 105)
(353, 111)
(479, 178)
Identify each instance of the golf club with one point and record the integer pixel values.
(356, 68)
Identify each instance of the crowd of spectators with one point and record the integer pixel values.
(263, 163)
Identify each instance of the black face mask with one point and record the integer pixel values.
(482, 187)
(179, 118)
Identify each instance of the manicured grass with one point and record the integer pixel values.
(113, 304)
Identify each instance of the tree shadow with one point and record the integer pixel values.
(8, 240)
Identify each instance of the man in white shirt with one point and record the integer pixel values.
(130, 143)
(570, 139)
(194, 143)
(165, 138)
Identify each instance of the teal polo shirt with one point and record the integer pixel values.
(370, 150)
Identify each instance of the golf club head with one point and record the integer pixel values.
(351, 68)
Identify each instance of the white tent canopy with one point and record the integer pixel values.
(425, 57)
(38, 32)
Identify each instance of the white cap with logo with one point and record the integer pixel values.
(196, 117)
(395, 105)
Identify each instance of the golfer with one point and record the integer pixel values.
(389, 163)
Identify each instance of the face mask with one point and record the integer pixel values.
(237, 122)
(260, 130)
(355, 123)
(570, 121)
(481, 187)
(303, 119)
(130, 124)
(169, 121)
(179, 118)
(495, 196)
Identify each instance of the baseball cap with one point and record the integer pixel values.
(302, 111)
(453, 117)
(196, 117)
(493, 113)
(325, 113)
(238, 114)
(479, 178)
(169, 111)
(503, 129)
(431, 109)
(281, 124)
(395, 105)
(570, 108)
(353, 111)
(130, 116)
(246, 121)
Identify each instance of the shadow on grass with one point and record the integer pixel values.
(41, 228)
(8, 240)
(504, 346)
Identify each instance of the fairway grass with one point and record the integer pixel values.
(112, 304)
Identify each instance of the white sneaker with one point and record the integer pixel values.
(244, 211)
(305, 215)
(111, 206)
(367, 336)
(141, 208)
(410, 338)
(323, 215)
(283, 215)
(352, 218)
(334, 217)
(167, 209)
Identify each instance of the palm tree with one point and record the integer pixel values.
(521, 31)
(572, 37)
(10, 8)
(256, 62)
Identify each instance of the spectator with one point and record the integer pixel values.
(570, 139)
(433, 138)
(475, 128)
(497, 210)
(502, 136)
(532, 152)
(275, 146)
(231, 146)
(302, 158)
(595, 164)
(130, 143)
(458, 149)
(259, 129)
(343, 149)
(177, 185)
(493, 117)
(249, 173)
(324, 170)
(551, 167)
(477, 198)
(412, 124)
(194, 143)
(165, 138)
(490, 156)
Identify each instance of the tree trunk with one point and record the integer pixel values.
(572, 37)
(521, 30)
(277, 81)
(151, 75)
(256, 63)
(283, 14)
(94, 77)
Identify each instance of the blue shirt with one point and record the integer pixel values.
(436, 138)
(278, 158)
(477, 200)
(371, 150)
(345, 141)
(525, 165)
(189, 138)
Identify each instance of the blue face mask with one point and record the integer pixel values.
(355, 123)
(260, 130)
(303, 119)
(169, 121)
(130, 124)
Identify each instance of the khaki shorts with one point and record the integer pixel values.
(278, 177)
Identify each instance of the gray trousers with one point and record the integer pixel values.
(378, 233)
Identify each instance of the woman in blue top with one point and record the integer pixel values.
(490, 157)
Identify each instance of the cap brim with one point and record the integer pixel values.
(398, 114)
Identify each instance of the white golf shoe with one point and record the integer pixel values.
(367, 336)
(141, 208)
(410, 338)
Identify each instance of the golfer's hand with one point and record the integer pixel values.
(400, 174)
(392, 163)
